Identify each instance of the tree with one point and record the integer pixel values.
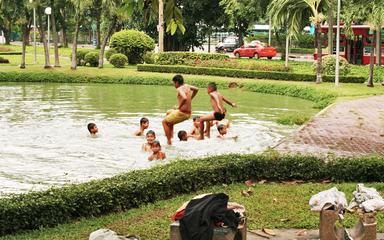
(9, 13)
(80, 6)
(241, 14)
(112, 11)
(54, 34)
(292, 13)
(24, 22)
(40, 14)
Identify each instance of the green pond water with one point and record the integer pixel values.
(45, 141)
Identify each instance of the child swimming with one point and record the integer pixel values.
(144, 124)
(183, 136)
(217, 100)
(151, 137)
(223, 132)
(157, 154)
(92, 128)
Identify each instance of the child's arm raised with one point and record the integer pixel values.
(233, 104)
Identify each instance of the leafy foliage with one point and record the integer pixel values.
(133, 44)
(118, 60)
(240, 73)
(80, 56)
(329, 65)
(92, 58)
(174, 58)
(133, 189)
(110, 52)
(150, 57)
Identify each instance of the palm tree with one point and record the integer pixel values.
(292, 13)
(112, 11)
(79, 6)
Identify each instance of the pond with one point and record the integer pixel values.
(45, 142)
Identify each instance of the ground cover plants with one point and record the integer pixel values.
(135, 188)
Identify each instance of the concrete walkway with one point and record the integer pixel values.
(293, 234)
(351, 128)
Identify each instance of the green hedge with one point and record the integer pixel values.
(225, 72)
(321, 99)
(175, 58)
(10, 53)
(130, 190)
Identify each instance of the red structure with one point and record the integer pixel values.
(356, 50)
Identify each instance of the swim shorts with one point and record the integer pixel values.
(174, 116)
(219, 116)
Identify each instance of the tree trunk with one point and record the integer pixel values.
(371, 63)
(378, 43)
(319, 53)
(26, 35)
(105, 41)
(64, 28)
(55, 37)
(44, 40)
(98, 23)
(330, 29)
(24, 46)
(281, 45)
(74, 45)
(209, 42)
(7, 36)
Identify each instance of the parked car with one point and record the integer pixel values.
(228, 45)
(255, 49)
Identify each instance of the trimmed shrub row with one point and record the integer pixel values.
(239, 73)
(321, 99)
(10, 53)
(130, 190)
(176, 58)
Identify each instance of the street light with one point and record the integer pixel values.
(48, 11)
(34, 29)
(337, 70)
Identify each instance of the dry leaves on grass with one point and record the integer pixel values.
(302, 232)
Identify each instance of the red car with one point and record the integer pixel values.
(255, 49)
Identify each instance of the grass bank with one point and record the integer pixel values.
(273, 205)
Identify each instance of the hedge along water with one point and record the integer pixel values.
(45, 141)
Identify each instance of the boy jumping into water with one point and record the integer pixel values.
(182, 112)
(218, 107)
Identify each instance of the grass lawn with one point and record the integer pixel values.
(273, 205)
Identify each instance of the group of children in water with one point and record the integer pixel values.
(181, 113)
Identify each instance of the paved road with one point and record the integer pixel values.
(352, 128)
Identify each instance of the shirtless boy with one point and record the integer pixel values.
(182, 112)
(218, 107)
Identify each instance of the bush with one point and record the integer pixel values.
(118, 60)
(176, 58)
(92, 58)
(378, 74)
(80, 56)
(245, 73)
(110, 52)
(133, 44)
(3, 60)
(150, 58)
(133, 189)
(329, 65)
(237, 64)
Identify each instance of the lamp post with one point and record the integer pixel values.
(337, 70)
(161, 26)
(34, 30)
(48, 11)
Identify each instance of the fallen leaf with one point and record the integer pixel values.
(262, 181)
(261, 234)
(284, 220)
(249, 183)
(250, 191)
(275, 200)
(225, 185)
(302, 232)
(245, 193)
(269, 231)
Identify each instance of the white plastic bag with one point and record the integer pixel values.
(331, 198)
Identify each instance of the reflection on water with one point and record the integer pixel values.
(45, 141)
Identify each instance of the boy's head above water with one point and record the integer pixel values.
(196, 121)
(151, 136)
(156, 147)
(222, 129)
(92, 128)
(144, 123)
(212, 87)
(183, 136)
(178, 80)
